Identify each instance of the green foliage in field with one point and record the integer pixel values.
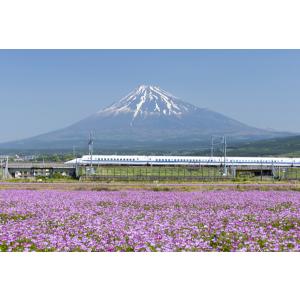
(155, 171)
(288, 146)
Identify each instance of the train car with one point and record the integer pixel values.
(184, 160)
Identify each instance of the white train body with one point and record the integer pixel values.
(184, 160)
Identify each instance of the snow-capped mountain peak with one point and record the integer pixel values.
(148, 100)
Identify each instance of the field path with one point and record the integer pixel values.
(151, 186)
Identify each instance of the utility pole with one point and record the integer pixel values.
(91, 148)
(6, 168)
(225, 153)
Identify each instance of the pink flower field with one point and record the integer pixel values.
(149, 221)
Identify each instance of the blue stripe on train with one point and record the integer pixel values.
(186, 162)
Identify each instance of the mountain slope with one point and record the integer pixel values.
(147, 117)
(286, 146)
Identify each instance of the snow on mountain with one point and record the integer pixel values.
(148, 100)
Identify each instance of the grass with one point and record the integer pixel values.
(165, 187)
(168, 178)
(156, 171)
(293, 173)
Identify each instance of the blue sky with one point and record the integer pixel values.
(44, 90)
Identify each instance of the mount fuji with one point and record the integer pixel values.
(147, 118)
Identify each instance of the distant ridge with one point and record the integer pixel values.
(285, 146)
(148, 117)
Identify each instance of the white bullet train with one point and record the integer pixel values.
(184, 160)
